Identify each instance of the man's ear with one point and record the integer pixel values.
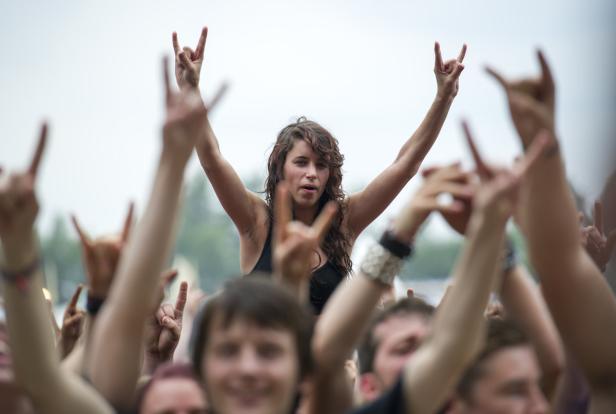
(369, 387)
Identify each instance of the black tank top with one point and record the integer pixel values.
(323, 282)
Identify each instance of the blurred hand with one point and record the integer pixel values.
(531, 102)
(295, 242)
(164, 329)
(598, 246)
(185, 120)
(101, 256)
(72, 324)
(18, 211)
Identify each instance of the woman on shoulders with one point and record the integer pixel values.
(307, 157)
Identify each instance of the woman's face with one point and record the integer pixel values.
(250, 369)
(305, 173)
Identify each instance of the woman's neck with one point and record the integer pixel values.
(305, 214)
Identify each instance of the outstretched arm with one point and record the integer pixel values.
(35, 361)
(119, 332)
(458, 326)
(568, 274)
(241, 204)
(368, 204)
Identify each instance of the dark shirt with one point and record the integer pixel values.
(323, 282)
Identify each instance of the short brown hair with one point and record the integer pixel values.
(369, 344)
(501, 334)
(259, 300)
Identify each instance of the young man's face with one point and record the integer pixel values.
(250, 369)
(509, 384)
(397, 338)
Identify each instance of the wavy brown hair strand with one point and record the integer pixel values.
(337, 241)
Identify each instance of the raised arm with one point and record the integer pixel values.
(369, 203)
(568, 275)
(119, 332)
(525, 305)
(35, 361)
(458, 326)
(242, 206)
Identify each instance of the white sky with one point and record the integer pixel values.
(363, 69)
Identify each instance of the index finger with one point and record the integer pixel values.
(218, 96)
(128, 221)
(201, 45)
(282, 212)
(546, 73)
(438, 59)
(38, 152)
(498, 77)
(176, 44)
(180, 303)
(482, 169)
(166, 78)
(462, 53)
(598, 215)
(73, 302)
(83, 237)
(324, 220)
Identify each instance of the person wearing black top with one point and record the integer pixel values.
(307, 157)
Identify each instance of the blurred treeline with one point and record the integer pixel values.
(208, 240)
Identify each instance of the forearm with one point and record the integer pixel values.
(524, 304)
(119, 332)
(417, 147)
(343, 321)
(458, 326)
(36, 363)
(567, 273)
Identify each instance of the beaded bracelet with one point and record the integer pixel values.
(21, 278)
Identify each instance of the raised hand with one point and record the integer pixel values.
(18, 211)
(531, 101)
(498, 194)
(164, 330)
(598, 245)
(72, 324)
(448, 73)
(184, 121)
(294, 242)
(188, 62)
(450, 180)
(101, 256)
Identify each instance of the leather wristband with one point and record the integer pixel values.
(395, 246)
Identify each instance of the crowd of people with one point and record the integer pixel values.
(301, 331)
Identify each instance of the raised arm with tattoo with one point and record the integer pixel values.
(119, 332)
(35, 361)
(568, 275)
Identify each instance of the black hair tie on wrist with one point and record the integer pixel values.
(395, 246)
(94, 304)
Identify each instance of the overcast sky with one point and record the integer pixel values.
(361, 68)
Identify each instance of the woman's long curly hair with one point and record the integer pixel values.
(337, 241)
